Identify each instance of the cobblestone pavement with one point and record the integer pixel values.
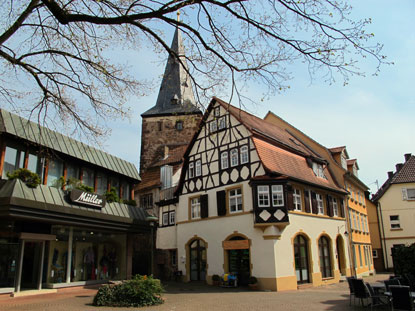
(199, 297)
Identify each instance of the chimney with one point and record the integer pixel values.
(166, 152)
(407, 156)
(390, 175)
(398, 167)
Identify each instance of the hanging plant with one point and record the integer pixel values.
(112, 196)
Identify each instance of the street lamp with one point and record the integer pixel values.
(152, 220)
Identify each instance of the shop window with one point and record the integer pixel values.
(13, 159)
(34, 164)
(125, 190)
(224, 160)
(191, 170)
(195, 208)
(325, 257)
(198, 168)
(55, 171)
(72, 171)
(297, 199)
(234, 157)
(115, 183)
(263, 196)
(235, 200)
(244, 155)
(277, 195)
(394, 221)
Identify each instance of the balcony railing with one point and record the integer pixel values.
(167, 194)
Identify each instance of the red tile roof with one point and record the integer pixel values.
(150, 179)
(284, 162)
(406, 173)
(175, 155)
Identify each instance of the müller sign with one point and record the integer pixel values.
(82, 197)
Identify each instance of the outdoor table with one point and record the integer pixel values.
(389, 294)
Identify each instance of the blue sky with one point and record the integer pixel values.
(373, 116)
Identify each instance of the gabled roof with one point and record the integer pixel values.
(279, 151)
(352, 162)
(340, 149)
(405, 174)
(39, 135)
(176, 93)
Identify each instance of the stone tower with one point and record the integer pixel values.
(173, 120)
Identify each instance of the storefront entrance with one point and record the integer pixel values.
(239, 265)
(301, 259)
(197, 261)
(31, 263)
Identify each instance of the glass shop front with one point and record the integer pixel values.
(64, 256)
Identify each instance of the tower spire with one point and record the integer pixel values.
(176, 92)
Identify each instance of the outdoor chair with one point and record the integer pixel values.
(360, 290)
(376, 299)
(410, 281)
(391, 282)
(349, 281)
(401, 298)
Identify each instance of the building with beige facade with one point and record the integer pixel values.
(254, 201)
(396, 206)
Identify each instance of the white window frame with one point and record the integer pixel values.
(172, 217)
(234, 157)
(198, 168)
(263, 195)
(297, 199)
(165, 219)
(195, 208)
(277, 195)
(216, 112)
(213, 126)
(394, 223)
(354, 220)
(244, 154)
(224, 160)
(234, 198)
(320, 205)
(408, 194)
(222, 123)
(318, 170)
(358, 221)
(335, 207)
(191, 170)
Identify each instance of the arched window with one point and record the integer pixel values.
(301, 259)
(234, 157)
(224, 160)
(244, 155)
(325, 257)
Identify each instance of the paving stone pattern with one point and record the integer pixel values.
(200, 297)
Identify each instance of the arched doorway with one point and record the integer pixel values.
(301, 259)
(197, 260)
(341, 257)
(239, 263)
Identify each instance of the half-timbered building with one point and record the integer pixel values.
(254, 201)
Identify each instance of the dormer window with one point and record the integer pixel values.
(318, 170)
(175, 100)
(344, 162)
(355, 170)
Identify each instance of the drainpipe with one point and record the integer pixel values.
(385, 256)
(350, 244)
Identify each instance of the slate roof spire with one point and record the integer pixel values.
(176, 93)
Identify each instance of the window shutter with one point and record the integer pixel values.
(307, 201)
(329, 204)
(290, 199)
(314, 202)
(342, 208)
(404, 194)
(221, 202)
(204, 206)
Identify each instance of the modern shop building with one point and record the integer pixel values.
(55, 235)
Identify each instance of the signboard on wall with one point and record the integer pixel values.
(87, 198)
(236, 244)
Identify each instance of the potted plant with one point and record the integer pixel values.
(215, 280)
(253, 283)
